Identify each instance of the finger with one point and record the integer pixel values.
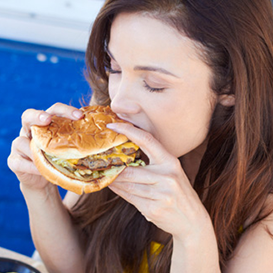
(42, 118)
(33, 117)
(129, 197)
(19, 164)
(140, 203)
(146, 183)
(137, 189)
(63, 110)
(148, 144)
(137, 174)
(21, 146)
(24, 133)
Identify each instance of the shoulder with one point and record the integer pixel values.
(254, 251)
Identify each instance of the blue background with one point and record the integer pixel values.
(30, 80)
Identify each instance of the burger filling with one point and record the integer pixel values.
(98, 165)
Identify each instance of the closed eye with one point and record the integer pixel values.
(152, 89)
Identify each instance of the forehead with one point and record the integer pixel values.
(144, 38)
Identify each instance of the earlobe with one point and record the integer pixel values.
(227, 100)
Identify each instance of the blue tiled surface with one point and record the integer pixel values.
(31, 76)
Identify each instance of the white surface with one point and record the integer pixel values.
(59, 23)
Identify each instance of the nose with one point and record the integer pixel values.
(124, 100)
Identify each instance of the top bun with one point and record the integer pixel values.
(69, 139)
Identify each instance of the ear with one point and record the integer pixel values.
(227, 100)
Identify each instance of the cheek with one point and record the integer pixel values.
(181, 131)
(112, 87)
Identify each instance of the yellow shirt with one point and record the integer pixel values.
(155, 250)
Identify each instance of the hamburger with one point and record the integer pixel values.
(83, 155)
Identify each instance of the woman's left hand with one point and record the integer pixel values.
(161, 190)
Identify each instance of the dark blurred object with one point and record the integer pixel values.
(15, 266)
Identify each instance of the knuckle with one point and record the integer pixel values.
(128, 173)
(147, 138)
(61, 109)
(14, 163)
(171, 181)
(54, 107)
(123, 126)
(130, 187)
(169, 201)
(26, 114)
(168, 195)
(169, 192)
(25, 132)
(154, 211)
(174, 164)
(9, 162)
(126, 125)
(18, 142)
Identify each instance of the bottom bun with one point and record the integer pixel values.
(75, 185)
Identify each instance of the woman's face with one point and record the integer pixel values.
(159, 83)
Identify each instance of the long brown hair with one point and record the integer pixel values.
(235, 176)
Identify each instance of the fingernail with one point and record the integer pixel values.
(111, 126)
(44, 117)
(77, 114)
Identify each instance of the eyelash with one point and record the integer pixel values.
(151, 89)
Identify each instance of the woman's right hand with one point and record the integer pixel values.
(20, 158)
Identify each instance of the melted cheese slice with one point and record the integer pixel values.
(117, 153)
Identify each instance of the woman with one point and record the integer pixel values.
(195, 78)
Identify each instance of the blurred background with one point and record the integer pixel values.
(42, 46)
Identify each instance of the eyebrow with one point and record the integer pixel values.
(155, 69)
(145, 68)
